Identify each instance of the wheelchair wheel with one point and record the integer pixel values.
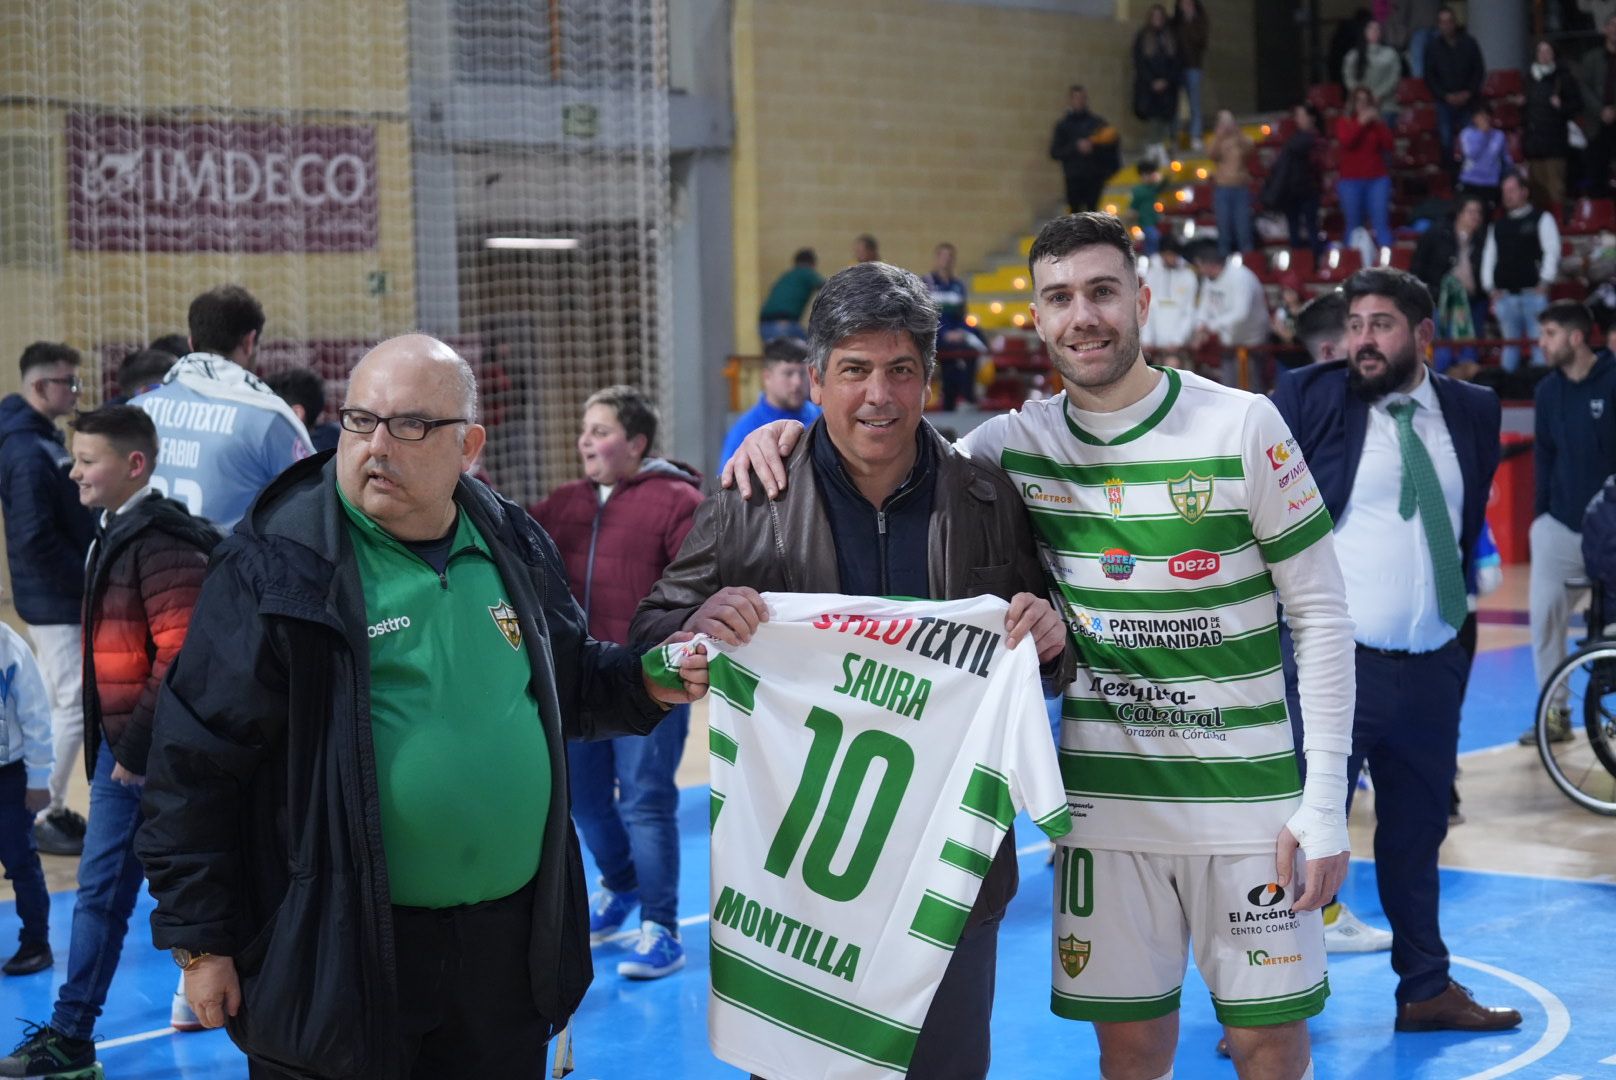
(1583, 766)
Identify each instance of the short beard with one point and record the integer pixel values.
(1127, 354)
(1399, 371)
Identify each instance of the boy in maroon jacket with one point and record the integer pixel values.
(617, 529)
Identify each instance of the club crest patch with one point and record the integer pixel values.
(1191, 495)
(1074, 955)
(505, 618)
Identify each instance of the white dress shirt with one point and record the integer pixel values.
(1391, 583)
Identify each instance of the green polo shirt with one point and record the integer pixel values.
(462, 765)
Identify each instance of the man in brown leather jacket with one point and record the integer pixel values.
(878, 504)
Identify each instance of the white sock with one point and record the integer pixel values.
(1307, 1073)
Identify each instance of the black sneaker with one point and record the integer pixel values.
(60, 832)
(46, 1052)
(33, 956)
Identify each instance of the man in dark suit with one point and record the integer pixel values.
(1404, 459)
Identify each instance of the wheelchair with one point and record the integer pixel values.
(1583, 766)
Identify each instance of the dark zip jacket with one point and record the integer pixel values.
(47, 529)
(262, 838)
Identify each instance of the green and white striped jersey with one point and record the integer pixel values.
(1159, 538)
(868, 756)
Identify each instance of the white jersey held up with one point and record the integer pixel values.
(868, 756)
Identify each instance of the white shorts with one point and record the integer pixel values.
(1124, 922)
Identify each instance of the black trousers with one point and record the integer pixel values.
(1083, 191)
(954, 1042)
(1407, 731)
(465, 993)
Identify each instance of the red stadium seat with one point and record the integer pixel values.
(1348, 262)
(1591, 216)
(1505, 82)
(1512, 139)
(1412, 91)
(1568, 290)
(1403, 257)
(1412, 121)
(1507, 115)
(1325, 96)
(1279, 132)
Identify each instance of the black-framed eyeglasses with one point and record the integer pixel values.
(69, 381)
(408, 428)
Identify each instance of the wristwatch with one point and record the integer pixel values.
(187, 959)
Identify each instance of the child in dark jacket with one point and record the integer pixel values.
(142, 579)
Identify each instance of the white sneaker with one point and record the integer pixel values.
(1349, 934)
(180, 1016)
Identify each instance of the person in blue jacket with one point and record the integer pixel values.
(47, 537)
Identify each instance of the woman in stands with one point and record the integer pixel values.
(1376, 67)
(1193, 31)
(1157, 71)
(1553, 100)
(1365, 182)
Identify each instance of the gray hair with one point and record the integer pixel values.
(872, 297)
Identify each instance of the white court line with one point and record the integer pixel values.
(1608, 1061)
(144, 1036)
(1567, 1076)
(1559, 1025)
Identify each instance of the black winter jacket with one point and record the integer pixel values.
(262, 838)
(1543, 126)
(47, 530)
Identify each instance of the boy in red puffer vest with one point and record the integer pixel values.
(617, 529)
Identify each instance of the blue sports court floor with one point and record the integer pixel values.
(1543, 945)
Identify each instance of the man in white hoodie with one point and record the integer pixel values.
(1234, 309)
(1173, 284)
(223, 434)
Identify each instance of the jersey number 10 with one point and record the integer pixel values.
(862, 752)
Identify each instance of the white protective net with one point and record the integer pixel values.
(349, 164)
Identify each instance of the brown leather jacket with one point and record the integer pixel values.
(980, 542)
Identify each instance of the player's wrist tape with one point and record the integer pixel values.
(1320, 825)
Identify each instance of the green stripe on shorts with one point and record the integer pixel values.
(1265, 1012)
(1109, 1010)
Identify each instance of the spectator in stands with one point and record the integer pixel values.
(1143, 200)
(1293, 184)
(1282, 319)
(784, 396)
(1348, 32)
(48, 533)
(1321, 329)
(781, 315)
(1088, 149)
(1364, 182)
(1376, 67)
(1553, 102)
(1482, 152)
(1157, 73)
(1232, 310)
(1231, 185)
(141, 370)
(1409, 26)
(217, 459)
(176, 345)
(866, 248)
(1574, 451)
(304, 390)
(1192, 28)
(617, 529)
(1518, 266)
(1448, 260)
(959, 349)
(1173, 285)
(141, 582)
(1598, 78)
(1454, 70)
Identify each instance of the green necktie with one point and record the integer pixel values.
(1422, 491)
